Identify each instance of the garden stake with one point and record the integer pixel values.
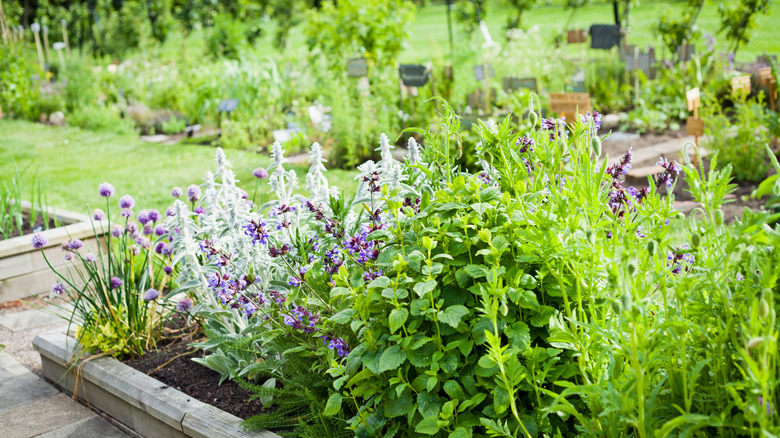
(694, 126)
(65, 36)
(58, 46)
(4, 25)
(36, 28)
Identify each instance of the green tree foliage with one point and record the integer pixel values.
(519, 7)
(674, 27)
(738, 21)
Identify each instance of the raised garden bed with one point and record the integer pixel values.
(23, 270)
(142, 403)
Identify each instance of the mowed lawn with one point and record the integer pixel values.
(71, 163)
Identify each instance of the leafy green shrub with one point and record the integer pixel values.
(100, 118)
(174, 125)
(18, 92)
(739, 142)
(226, 38)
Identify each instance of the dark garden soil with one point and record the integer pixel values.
(27, 227)
(172, 365)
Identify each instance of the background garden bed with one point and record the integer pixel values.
(23, 270)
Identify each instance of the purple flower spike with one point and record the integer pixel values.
(199, 210)
(159, 230)
(126, 201)
(151, 295)
(176, 192)
(106, 190)
(39, 241)
(58, 289)
(260, 173)
(193, 193)
(116, 282)
(98, 214)
(184, 305)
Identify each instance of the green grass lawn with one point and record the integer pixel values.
(71, 163)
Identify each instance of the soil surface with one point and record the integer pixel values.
(618, 148)
(172, 364)
(27, 227)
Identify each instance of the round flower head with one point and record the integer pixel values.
(58, 289)
(106, 190)
(117, 230)
(184, 305)
(159, 230)
(260, 173)
(168, 270)
(143, 217)
(176, 192)
(98, 214)
(126, 212)
(39, 241)
(131, 227)
(115, 282)
(75, 244)
(193, 193)
(154, 215)
(170, 211)
(90, 257)
(199, 210)
(151, 295)
(126, 201)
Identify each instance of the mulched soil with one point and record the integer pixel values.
(172, 365)
(27, 227)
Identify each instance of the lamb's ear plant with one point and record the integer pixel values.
(116, 282)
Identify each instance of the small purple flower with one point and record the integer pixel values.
(739, 277)
(154, 215)
(90, 257)
(184, 305)
(260, 173)
(159, 230)
(159, 247)
(126, 201)
(176, 192)
(294, 282)
(199, 210)
(117, 230)
(116, 282)
(98, 214)
(193, 193)
(39, 241)
(526, 144)
(75, 244)
(106, 190)
(126, 212)
(143, 217)
(58, 289)
(170, 211)
(131, 227)
(168, 270)
(595, 116)
(151, 295)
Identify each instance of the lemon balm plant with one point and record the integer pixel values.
(117, 287)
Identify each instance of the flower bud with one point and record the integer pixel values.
(595, 144)
(763, 309)
(718, 217)
(631, 268)
(651, 248)
(626, 300)
(695, 240)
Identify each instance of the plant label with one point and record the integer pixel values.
(480, 74)
(694, 127)
(357, 67)
(448, 73)
(765, 76)
(413, 75)
(315, 115)
(694, 99)
(604, 36)
(514, 83)
(576, 36)
(569, 104)
(684, 53)
(740, 85)
(227, 106)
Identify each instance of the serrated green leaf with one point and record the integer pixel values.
(392, 358)
(397, 318)
(461, 432)
(342, 317)
(333, 406)
(452, 315)
(423, 288)
(428, 426)
(476, 271)
(428, 404)
(380, 283)
(453, 389)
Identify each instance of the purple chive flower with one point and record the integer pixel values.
(176, 192)
(147, 230)
(90, 257)
(131, 227)
(39, 241)
(184, 305)
(115, 282)
(143, 217)
(193, 193)
(170, 212)
(117, 230)
(126, 201)
(126, 212)
(98, 214)
(151, 295)
(58, 289)
(168, 270)
(106, 190)
(199, 210)
(136, 250)
(159, 247)
(75, 244)
(154, 215)
(159, 230)
(260, 173)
